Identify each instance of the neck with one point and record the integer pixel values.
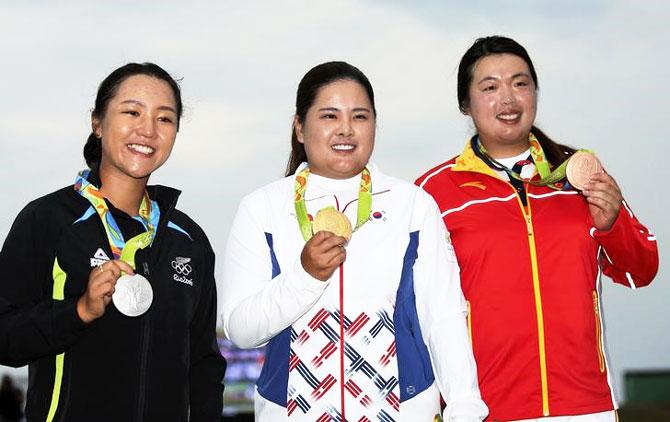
(334, 175)
(499, 150)
(124, 192)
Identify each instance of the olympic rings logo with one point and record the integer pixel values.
(181, 266)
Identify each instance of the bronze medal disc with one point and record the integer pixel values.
(581, 166)
(331, 220)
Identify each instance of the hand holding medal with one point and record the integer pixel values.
(322, 254)
(604, 198)
(101, 286)
(584, 172)
(131, 293)
(325, 251)
(331, 229)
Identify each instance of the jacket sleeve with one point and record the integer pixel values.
(32, 323)
(258, 298)
(207, 365)
(630, 251)
(442, 316)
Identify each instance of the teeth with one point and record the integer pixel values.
(508, 116)
(142, 149)
(343, 147)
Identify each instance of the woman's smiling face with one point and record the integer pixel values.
(139, 127)
(339, 130)
(502, 102)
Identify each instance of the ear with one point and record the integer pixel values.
(465, 110)
(96, 127)
(297, 127)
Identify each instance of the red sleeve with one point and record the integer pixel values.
(630, 250)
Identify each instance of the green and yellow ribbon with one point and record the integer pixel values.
(364, 202)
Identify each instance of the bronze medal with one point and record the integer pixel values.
(331, 220)
(581, 166)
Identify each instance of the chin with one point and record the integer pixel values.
(514, 137)
(349, 172)
(139, 173)
(143, 170)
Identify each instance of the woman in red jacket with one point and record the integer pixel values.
(532, 245)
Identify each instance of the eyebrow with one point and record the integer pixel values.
(517, 75)
(357, 109)
(141, 104)
(492, 78)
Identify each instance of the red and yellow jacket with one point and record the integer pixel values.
(531, 276)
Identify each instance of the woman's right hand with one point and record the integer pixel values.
(101, 283)
(322, 254)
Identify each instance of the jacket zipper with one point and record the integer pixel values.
(146, 332)
(143, 371)
(538, 300)
(536, 286)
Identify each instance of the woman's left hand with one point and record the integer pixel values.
(604, 198)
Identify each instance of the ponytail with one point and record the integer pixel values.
(554, 152)
(298, 155)
(93, 151)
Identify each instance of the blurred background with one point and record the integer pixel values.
(603, 77)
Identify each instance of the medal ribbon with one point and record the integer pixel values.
(149, 217)
(548, 178)
(364, 202)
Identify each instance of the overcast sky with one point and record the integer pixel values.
(602, 68)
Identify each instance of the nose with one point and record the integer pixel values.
(346, 129)
(507, 96)
(147, 127)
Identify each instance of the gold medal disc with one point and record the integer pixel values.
(581, 166)
(331, 220)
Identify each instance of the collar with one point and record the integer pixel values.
(372, 168)
(165, 196)
(509, 162)
(469, 161)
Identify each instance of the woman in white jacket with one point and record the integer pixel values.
(359, 326)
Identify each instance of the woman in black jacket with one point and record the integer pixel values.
(108, 290)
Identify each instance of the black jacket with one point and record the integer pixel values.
(154, 367)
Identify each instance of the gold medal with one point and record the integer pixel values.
(331, 220)
(581, 166)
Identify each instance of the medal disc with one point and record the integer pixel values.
(581, 166)
(132, 295)
(331, 220)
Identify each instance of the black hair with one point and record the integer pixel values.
(318, 77)
(556, 153)
(108, 89)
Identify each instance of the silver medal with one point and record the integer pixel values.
(132, 295)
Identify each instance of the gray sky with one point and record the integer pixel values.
(602, 68)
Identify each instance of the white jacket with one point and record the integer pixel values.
(404, 318)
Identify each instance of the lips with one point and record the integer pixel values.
(343, 147)
(509, 117)
(141, 149)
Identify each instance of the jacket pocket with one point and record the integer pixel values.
(599, 333)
